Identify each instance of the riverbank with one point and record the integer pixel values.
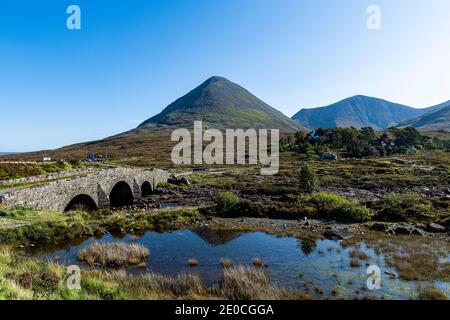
(23, 278)
(390, 212)
(420, 263)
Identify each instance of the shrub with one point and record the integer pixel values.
(353, 211)
(47, 232)
(226, 203)
(74, 162)
(18, 211)
(308, 179)
(45, 284)
(333, 206)
(407, 206)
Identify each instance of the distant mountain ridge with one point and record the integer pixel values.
(359, 111)
(432, 121)
(222, 104)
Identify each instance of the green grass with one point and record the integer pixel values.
(45, 227)
(34, 183)
(333, 206)
(22, 170)
(26, 279)
(408, 206)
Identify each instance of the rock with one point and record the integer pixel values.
(335, 234)
(391, 274)
(181, 181)
(435, 228)
(418, 232)
(407, 229)
(185, 181)
(402, 229)
(379, 226)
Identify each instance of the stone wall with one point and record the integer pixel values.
(56, 195)
(44, 177)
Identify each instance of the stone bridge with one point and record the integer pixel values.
(112, 187)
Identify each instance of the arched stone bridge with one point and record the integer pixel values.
(112, 187)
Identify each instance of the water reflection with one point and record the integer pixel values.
(324, 267)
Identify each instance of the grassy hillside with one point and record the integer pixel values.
(21, 170)
(221, 104)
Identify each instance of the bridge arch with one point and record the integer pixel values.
(121, 195)
(81, 201)
(146, 189)
(96, 186)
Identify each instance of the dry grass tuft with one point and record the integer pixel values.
(257, 262)
(358, 254)
(244, 283)
(414, 258)
(114, 254)
(192, 262)
(354, 263)
(181, 286)
(431, 293)
(226, 263)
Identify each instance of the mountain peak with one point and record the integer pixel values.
(360, 96)
(222, 104)
(216, 79)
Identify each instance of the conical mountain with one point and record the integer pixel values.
(222, 104)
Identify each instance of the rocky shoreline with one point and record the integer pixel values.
(195, 196)
(331, 230)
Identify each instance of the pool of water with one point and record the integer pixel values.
(320, 266)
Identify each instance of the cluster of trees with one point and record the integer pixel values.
(365, 142)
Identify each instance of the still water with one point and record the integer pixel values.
(320, 266)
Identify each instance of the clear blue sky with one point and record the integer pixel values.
(132, 58)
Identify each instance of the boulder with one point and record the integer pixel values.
(181, 181)
(337, 234)
(418, 232)
(435, 228)
(402, 229)
(185, 181)
(391, 274)
(408, 229)
(379, 226)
